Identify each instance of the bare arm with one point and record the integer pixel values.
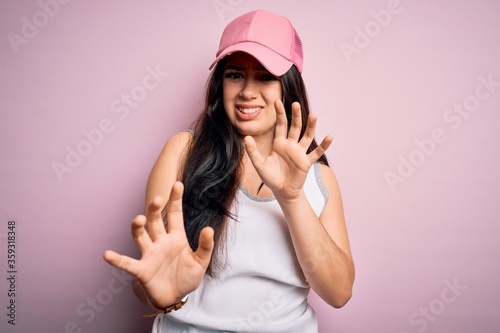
(164, 173)
(321, 243)
(166, 169)
(168, 268)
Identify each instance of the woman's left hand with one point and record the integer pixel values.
(285, 170)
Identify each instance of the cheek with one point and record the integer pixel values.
(229, 90)
(224, 91)
(226, 99)
(275, 93)
(278, 91)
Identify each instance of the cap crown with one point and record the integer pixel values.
(272, 31)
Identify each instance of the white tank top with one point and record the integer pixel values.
(263, 288)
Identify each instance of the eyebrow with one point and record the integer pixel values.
(235, 68)
(238, 68)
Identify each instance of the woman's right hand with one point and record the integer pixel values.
(168, 269)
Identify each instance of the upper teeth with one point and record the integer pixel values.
(248, 110)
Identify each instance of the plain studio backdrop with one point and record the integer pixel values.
(409, 89)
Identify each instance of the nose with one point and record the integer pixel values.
(249, 89)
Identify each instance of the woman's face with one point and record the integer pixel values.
(249, 92)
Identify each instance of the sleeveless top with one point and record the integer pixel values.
(262, 288)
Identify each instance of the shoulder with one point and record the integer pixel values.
(329, 181)
(178, 143)
(175, 149)
(327, 174)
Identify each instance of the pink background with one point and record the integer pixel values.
(413, 239)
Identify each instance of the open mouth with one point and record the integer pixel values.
(248, 110)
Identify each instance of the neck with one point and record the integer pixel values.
(264, 143)
(250, 178)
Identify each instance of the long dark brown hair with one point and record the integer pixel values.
(212, 168)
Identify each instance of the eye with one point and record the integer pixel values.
(268, 77)
(233, 75)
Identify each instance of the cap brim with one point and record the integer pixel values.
(271, 60)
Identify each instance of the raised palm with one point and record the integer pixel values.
(285, 170)
(168, 269)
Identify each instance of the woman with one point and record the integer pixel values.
(252, 214)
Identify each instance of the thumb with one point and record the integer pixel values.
(252, 151)
(122, 262)
(205, 247)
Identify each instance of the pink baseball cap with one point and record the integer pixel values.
(268, 37)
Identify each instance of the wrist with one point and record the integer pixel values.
(161, 305)
(162, 310)
(290, 199)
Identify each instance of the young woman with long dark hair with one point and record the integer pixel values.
(243, 214)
